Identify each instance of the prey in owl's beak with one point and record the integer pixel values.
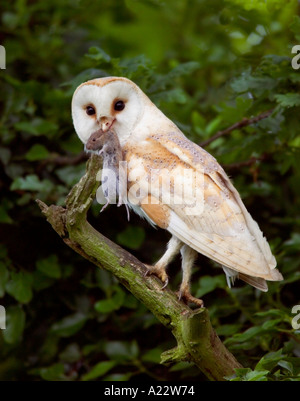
(95, 142)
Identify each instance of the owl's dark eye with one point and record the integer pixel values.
(119, 105)
(90, 111)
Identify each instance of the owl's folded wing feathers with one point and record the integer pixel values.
(218, 225)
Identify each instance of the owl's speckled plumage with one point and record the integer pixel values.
(158, 153)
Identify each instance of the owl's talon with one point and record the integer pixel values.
(186, 297)
(158, 272)
(165, 284)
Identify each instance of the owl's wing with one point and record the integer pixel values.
(209, 214)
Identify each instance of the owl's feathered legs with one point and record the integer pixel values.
(188, 258)
(159, 269)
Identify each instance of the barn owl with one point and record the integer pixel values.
(209, 218)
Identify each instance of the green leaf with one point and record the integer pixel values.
(20, 286)
(121, 351)
(270, 324)
(132, 237)
(256, 375)
(287, 365)
(269, 361)
(71, 353)
(228, 329)
(256, 84)
(49, 266)
(295, 26)
(272, 313)
(130, 302)
(213, 126)
(70, 175)
(246, 336)
(180, 366)
(209, 283)
(239, 373)
(91, 349)
(111, 304)
(152, 355)
(37, 127)
(98, 54)
(199, 124)
(32, 183)
(15, 324)
(53, 373)
(176, 95)
(41, 282)
(246, 374)
(99, 370)
(274, 122)
(293, 243)
(104, 279)
(163, 81)
(288, 100)
(37, 152)
(69, 325)
(183, 69)
(4, 216)
(10, 19)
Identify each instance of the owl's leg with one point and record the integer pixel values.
(188, 258)
(159, 269)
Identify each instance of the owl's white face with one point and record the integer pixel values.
(107, 103)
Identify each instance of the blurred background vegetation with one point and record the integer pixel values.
(207, 65)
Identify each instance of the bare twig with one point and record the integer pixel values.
(69, 160)
(249, 162)
(61, 161)
(196, 339)
(243, 123)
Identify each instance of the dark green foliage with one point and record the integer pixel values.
(207, 65)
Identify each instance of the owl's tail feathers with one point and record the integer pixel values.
(257, 282)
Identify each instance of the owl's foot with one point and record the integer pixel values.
(159, 272)
(185, 296)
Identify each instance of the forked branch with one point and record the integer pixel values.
(241, 124)
(196, 339)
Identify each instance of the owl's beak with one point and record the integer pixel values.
(106, 123)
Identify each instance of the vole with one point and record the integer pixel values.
(114, 177)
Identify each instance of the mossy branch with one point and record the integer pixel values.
(196, 339)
